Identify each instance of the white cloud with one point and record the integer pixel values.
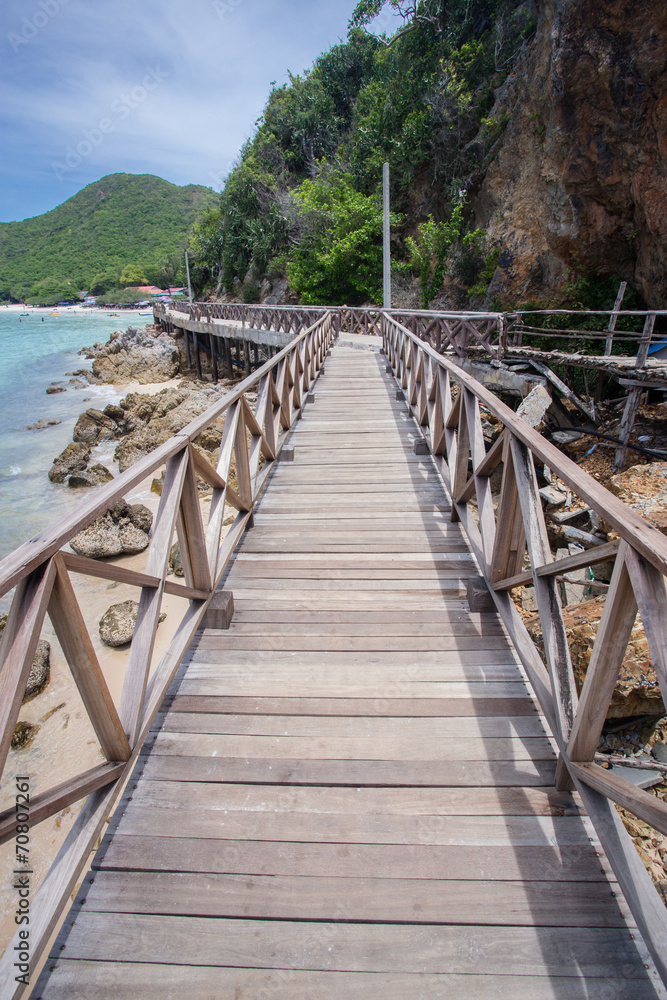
(218, 58)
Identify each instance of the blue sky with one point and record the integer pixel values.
(168, 87)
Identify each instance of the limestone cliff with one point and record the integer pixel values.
(580, 180)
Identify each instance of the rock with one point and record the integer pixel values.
(40, 671)
(132, 539)
(644, 487)
(578, 181)
(120, 530)
(53, 389)
(145, 355)
(659, 751)
(152, 420)
(94, 476)
(533, 408)
(24, 734)
(117, 624)
(641, 778)
(528, 599)
(74, 458)
(276, 294)
(94, 426)
(114, 412)
(175, 562)
(553, 496)
(637, 691)
(157, 485)
(42, 424)
(141, 517)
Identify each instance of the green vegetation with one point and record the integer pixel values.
(429, 252)
(338, 254)
(304, 198)
(124, 229)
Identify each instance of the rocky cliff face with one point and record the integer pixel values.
(580, 181)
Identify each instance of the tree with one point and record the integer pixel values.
(428, 254)
(104, 281)
(337, 249)
(133, 274)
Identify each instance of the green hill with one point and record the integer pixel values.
(123, 221)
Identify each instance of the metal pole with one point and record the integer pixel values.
(187, 271)
(386, 249)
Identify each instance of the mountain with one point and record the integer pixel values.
(123, 220)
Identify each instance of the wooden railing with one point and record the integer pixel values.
(40, 571)
(492, 333)
(512, 549)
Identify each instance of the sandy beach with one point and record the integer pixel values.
(146, 312)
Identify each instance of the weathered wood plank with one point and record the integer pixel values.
(360, 748)
(349, 707)
(367, 773)
(389, 861)
(353, 947)
(355, 726)
(81, 980)
(304, 897)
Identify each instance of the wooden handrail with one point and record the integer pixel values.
(493, 333)
(499, 539)
(40, 570)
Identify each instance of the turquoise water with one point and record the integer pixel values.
(33, 354)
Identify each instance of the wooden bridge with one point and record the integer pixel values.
(362, 788)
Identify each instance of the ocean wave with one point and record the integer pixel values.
(10, 470)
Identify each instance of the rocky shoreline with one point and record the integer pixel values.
(141, 421)
(137, 424)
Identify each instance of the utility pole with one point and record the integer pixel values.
(386, 248)
(187, 271)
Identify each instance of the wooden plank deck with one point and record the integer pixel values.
(349, 794)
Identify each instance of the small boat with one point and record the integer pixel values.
(113, 314)
(24, 314)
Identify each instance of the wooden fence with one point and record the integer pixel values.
(512, 549)
(40, 571)
(492, 333)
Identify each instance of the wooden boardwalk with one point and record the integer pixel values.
(350, 793)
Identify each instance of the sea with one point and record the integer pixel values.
(35, 351)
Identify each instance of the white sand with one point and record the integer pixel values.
(14, 307)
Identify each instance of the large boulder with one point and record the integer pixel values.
(121, 530)
(74, 458)
(637, 691)
(94, 426)
(144, 355)
(118, 623)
